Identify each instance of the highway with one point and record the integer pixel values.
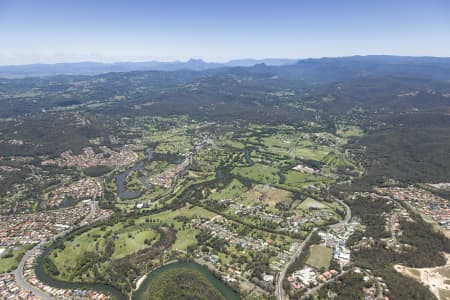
(279, 291)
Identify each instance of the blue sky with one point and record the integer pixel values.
(80, 30)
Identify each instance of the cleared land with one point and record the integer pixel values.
(437, 279)
(319, 257)
(265, 194)
(311, 203)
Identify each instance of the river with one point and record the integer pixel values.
(248, 157)
(121, 178)
(42, 276)
(226, 291)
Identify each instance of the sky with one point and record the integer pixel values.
(88, 30)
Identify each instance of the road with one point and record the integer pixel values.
(348, 215)
(279, 291)
(18, 273)
(22, 282)
(90, 216)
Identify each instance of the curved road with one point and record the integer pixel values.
(18, 273)
(348, 214)
(279, 291)
(22, 282)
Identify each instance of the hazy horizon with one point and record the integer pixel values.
(60, 31)
(156, 60)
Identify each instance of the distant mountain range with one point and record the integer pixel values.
(95, 68)
(316, 71)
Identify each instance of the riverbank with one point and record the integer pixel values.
(42, 276)
(207, 275)
(143, 277)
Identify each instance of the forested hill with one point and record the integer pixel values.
(337, 69)
(398, 102)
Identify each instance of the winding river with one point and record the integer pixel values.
(121, 178)
(138, 295)
(42, 276)
(226, 291)
(248, 158)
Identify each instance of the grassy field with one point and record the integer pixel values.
(10, 263)
(259, 173)
(175, 140)
(185, 238)
(233, 144)
(124, 245)
(185, 234)
(312, 152)
(337, 159)
(126, 237)
(299, 179)
(234, 190)
(186, 211)
(319, 257)
(280, 143)
(262, 194)
(347, 131)
(311, 203)
(104, 244)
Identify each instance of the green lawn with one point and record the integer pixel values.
(234, 144)
(185, 238)
(337, 159)
(172, 141)
(311, 152)
(128, 237)
(279, 143)
(319, 257)
(94, 240)
(10, 263)
(188, 211)
(299, 179)
(349, 131)
(311, 203)
(234, 190)
(124, 245)
(259, 173)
